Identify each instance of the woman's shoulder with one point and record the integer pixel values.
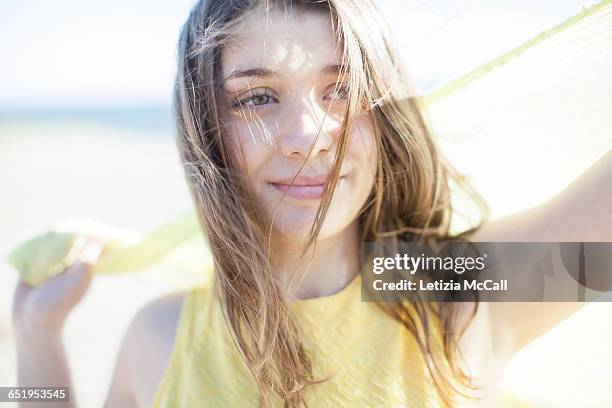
(147, 347)
(158, 320)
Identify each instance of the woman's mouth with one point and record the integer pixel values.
(311, 192)
(303, 188)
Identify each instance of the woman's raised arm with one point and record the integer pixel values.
(580, 213)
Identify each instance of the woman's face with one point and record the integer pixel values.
(279, 79)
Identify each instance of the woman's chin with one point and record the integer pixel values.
(296, 229)
(295, 232)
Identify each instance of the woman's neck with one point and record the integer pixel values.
(327, 270)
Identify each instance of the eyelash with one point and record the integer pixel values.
(256, 93)
(259, 93)
(342, 89)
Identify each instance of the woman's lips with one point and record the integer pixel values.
(311, 189)
(310, 192)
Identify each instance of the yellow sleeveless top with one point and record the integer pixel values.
(369, 358)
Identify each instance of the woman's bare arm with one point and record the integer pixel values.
(580, 213)
(42, 362)
(145, 353)
(121, 394)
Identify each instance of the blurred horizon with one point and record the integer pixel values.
(156, 120)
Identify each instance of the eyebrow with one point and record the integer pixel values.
(260, 72)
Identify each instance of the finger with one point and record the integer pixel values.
(91, 251)
(86, 259)
(66, 289)
(81, 283)
(79, 273)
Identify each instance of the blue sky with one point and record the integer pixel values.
(68, 53)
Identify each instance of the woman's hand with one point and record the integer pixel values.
(38, 316)
(46, 307)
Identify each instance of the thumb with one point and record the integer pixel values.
(78, 276)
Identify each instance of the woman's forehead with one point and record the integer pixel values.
(283, 43)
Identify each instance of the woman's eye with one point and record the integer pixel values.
(340, 93)
(257, 99)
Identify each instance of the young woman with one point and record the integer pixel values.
(300, 140)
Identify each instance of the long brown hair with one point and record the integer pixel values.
(410, 200)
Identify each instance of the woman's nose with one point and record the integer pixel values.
(309, 129)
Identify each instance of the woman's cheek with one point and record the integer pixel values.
(251, 148)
